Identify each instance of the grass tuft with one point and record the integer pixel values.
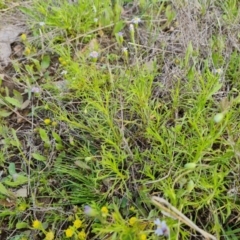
(121, 122)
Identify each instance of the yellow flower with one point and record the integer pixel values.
(49, 236)
(69, 232)
(77, 223)
(27, 51)
(132, 221)
(47, 121)
(23, 37)
(81, 235)
(22, 206)
(104, 211)
(132, 208)
(37, 224)
(62, 61)
(54, 124)
(142, 236)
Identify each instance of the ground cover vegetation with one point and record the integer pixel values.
(120, 120)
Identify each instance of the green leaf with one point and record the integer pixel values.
(28, 12)
(4, 113)
(19, 180)
(37, 64)
(11, 169)
(118, 27)
(2, 103)
(43, 135)
(59, 146)
(3, 190)
(13, 102)
(21, 225)
(82, 165)
(39, 157)
(18, 96)
(16, 141)
(57, 137)
(45, 62)
(214, 89)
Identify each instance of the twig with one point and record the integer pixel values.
(159, 180)
(167, 207)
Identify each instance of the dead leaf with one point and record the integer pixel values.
(25, 104)
(22, 192)
(8, 34)
(101, 33)
(23, 116)
(18, 50)
(7, 202)
(91, 46)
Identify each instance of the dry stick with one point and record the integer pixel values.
(90, 32)
(104, 27)
(159, 180)
(151, 48)
(167, 207)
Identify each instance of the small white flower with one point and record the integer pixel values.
(218, 71)
(41, 23)
(93, 54)
(162, 228)
(124, 50)
(159, 232)
(120, 34)
(35, 90)
(136, 20)
(64, 72)
(157, 222)
(218, 117)
(89, 211)
(95, 20)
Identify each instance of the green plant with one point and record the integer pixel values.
(127, 130)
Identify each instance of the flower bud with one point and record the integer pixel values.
(218, 117)
(190, 165)
(190, 186)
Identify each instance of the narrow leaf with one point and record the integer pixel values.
(18, 96)
(21, 225)
(82, 165)
(43, 135)
(16, 142)
(4, 113)
(3, 190)
(57, 137)
(13, 101)
(39, 157)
